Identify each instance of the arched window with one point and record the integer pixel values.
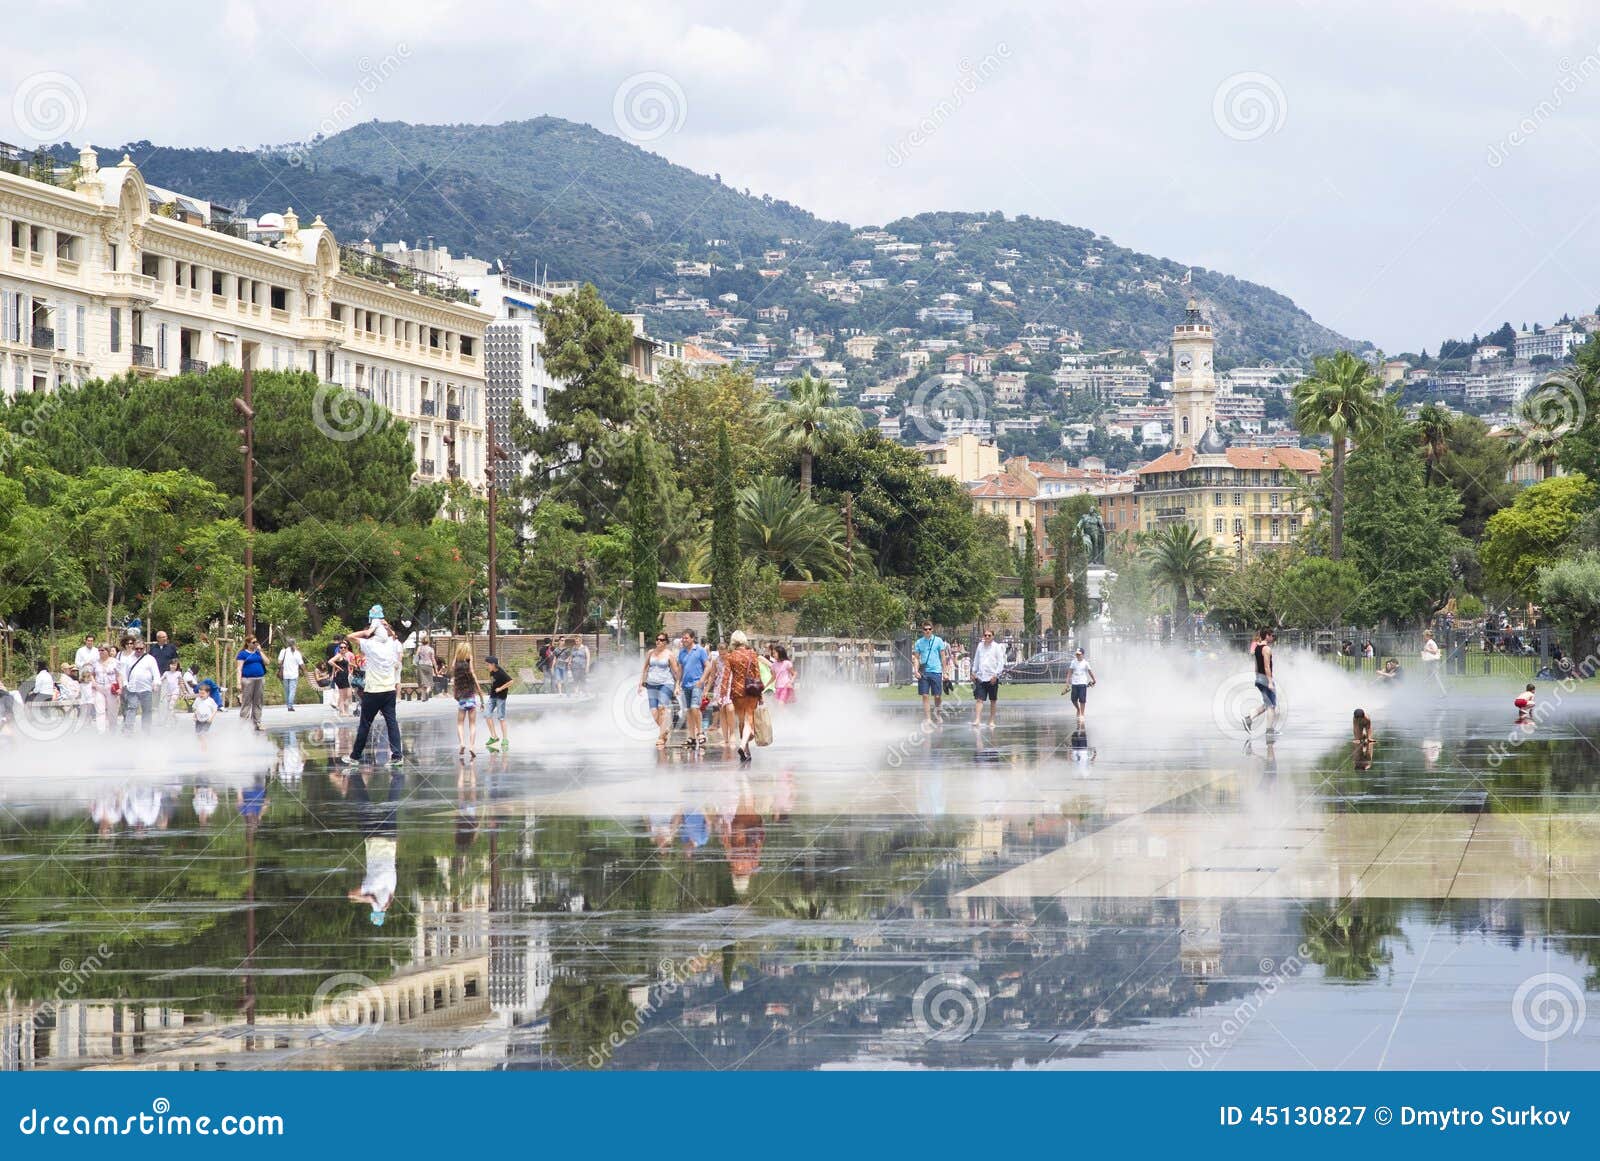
(1185, 425)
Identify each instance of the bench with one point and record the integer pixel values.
(409, 690)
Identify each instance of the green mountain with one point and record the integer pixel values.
(567, 200)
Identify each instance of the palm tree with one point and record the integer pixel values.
(1178, 557)
(1434, 427)
(1340, 400)
(1542, 423)
(778, 526)
(808, 422)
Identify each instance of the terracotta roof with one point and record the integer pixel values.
(1002, 486)
(1293, 459)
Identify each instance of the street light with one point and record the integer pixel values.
(245, 407)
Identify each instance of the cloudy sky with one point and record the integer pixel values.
(1405, 170)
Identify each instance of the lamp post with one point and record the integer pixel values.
(245, 406)
(495, 454)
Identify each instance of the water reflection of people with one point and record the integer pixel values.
(1268, 757)
(252, 802)
(205, 803)
(380, 824)
(743, 837)
(1083, 754)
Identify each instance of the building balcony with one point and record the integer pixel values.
(193, 366)
(325, 328)
(280, 316)
(427, 468)
(144, 356)
(44, 338)
(452, 412)
(430, 407)
(1172, 513)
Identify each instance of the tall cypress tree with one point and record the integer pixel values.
(724, 613)
(1058, 530)
(644, 604)
(1027, 573)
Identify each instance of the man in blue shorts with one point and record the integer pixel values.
(692, 659)
(928, 656)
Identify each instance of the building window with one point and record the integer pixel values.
(1238, 527)
(83, 319)
(1216, 498)
(1274, 499)
(116, 329)
(1238, 499)
(1277, 528)
(1216, 525)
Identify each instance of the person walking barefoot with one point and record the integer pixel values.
(464, 688)
(1080, 676)
(1266, 683)
(657, 679)
(988, 662)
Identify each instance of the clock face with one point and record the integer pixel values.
(1185, 362)
(1205, 361)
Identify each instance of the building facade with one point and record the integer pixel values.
(108, 276)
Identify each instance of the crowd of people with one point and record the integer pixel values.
(720, 689)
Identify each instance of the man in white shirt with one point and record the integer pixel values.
(139, 688)
(1079, 678)
(381, 648)
(988, 661)
(290, 663)
(87, 655)
(1430, 660)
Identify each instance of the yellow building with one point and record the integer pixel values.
(963, 458)
(1237, 498)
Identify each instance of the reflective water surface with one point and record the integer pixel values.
(864, 894)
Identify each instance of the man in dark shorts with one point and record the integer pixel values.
(988, 662)
(1079, 678)
(929, 653)
(1265, 682)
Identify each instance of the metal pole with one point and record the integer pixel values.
(246, 407)
(494, 572)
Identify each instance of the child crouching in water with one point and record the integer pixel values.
(1524, 704)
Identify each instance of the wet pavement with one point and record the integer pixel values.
(1158, 892)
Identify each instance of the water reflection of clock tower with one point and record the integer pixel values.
(1194, 384)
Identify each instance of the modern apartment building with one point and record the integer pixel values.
(103, 275)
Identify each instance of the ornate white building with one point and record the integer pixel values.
(102, 275)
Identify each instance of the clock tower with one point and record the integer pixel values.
(1194, 384)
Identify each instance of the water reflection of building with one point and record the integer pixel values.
(1200, 922)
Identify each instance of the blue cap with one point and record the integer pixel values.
(377, 919)
(375, 613)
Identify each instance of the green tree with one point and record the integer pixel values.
(1184, 562)
(1569, 592)
(916, 528)
(1534, 532)
(861, 607)
(808, 422)
(723, 615)
(1028, 581)
(1339, 400)
(1434, 423)
(780, 526)
(1400, 532)
(683, 401)
(1316, 592)
(644, 605)
(1475, 465)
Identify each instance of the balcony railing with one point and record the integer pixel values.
(144, 356)
(427, 467)
(44, 338)
(455, 471)
(1171, 513)
(193, 366)
(452, 412)
(430, 407)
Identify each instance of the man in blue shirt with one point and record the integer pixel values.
(929, 653)
(692, 659)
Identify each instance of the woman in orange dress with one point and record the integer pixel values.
(744, 672)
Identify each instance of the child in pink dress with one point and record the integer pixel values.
(782, 675)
